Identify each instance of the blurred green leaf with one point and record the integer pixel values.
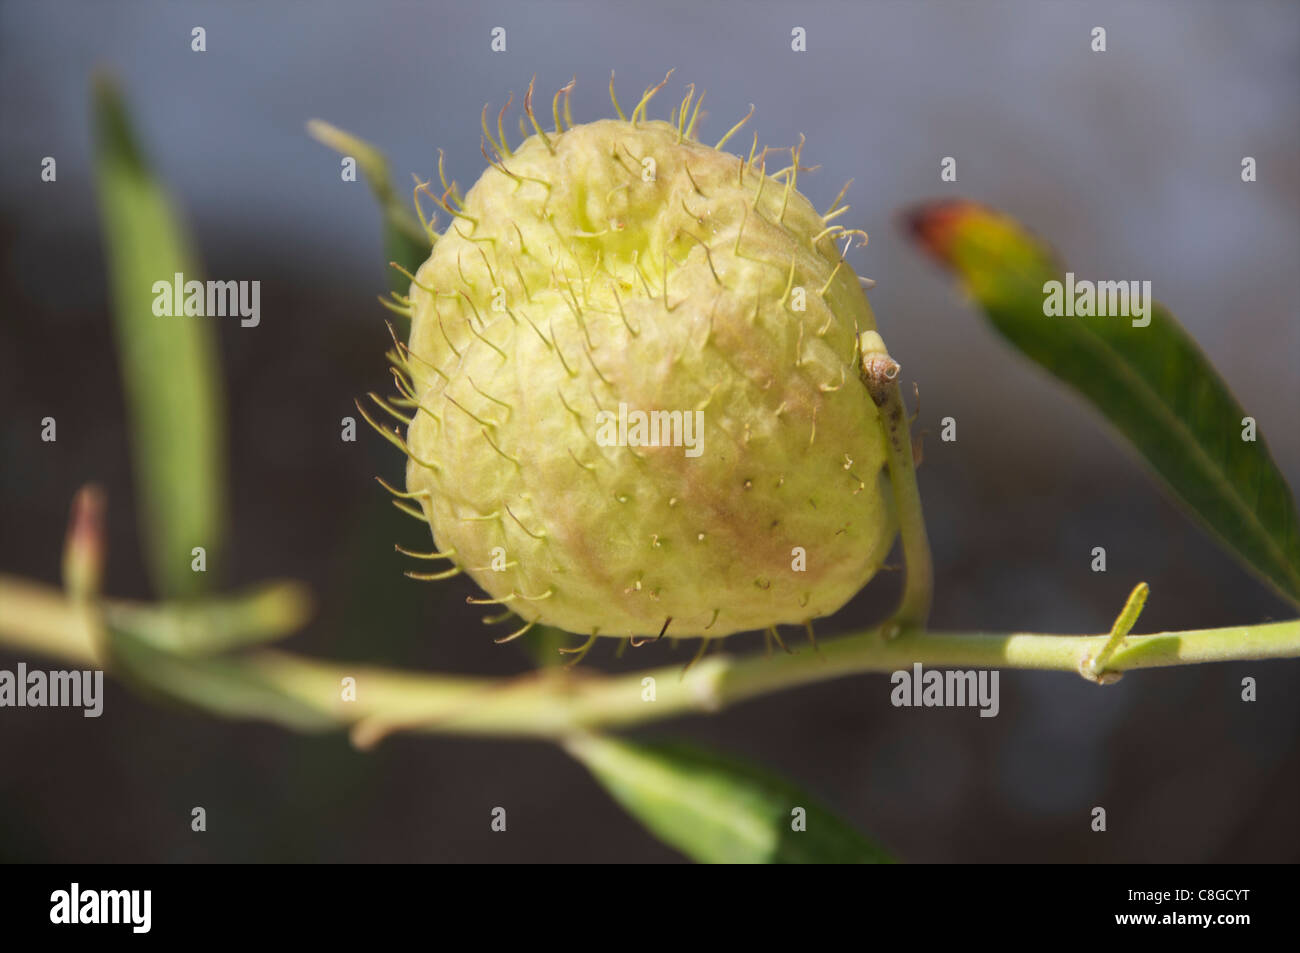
(169, 364)
(405, 241)
(211, 625)
(716, 810)
(1152, 383)
(230, 686)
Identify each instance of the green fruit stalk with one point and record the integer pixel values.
(633, 379)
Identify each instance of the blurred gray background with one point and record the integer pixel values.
(1127, 161)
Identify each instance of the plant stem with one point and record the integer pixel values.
(553, 703)
(880, 374)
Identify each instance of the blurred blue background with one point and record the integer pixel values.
(1127, 161)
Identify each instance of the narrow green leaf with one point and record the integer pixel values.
(1151, 382)
(230, 686)
(405, 240)
(211, 625)
(169, 364)
(716, 810)
(407, 251)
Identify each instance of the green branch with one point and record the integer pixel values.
(553, 703)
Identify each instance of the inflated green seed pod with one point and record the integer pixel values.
(635, 363)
